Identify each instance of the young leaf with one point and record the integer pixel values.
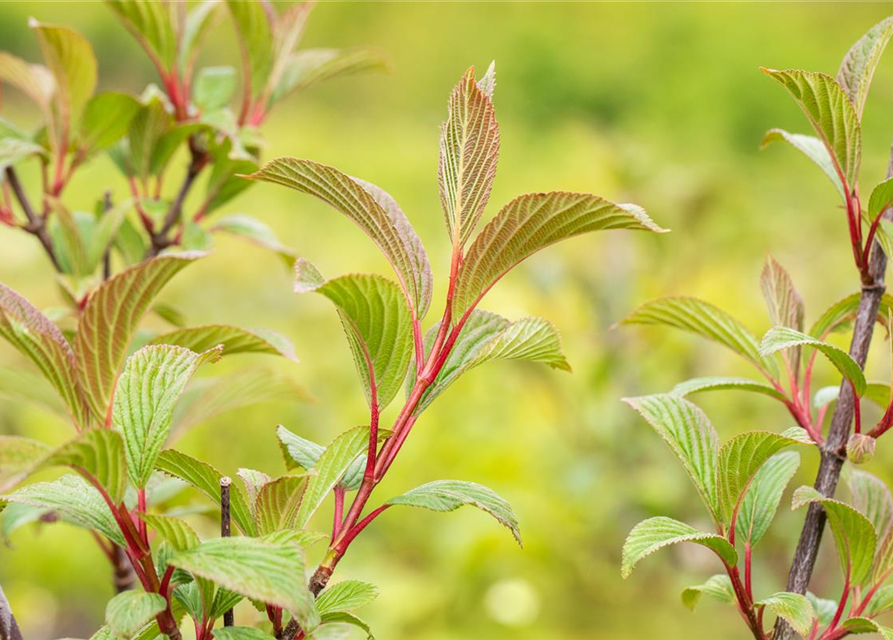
(881, 602)
(18, 455)
(718, 383)
(346, 595)
(256, 37)
(386, 225)
(206, 479)
(109, 319)
(449, 495)
(831, 114)
(75, 500)
(530, 223)
(854, 535)
(106, 120)
(278, 502)
(147, 390)
(487, 336)
(214, 86)
(330, 468)
(469, 150)
(843, 311)
(34, 335)
(812, 148)
(300, 451)
(256, 232)
(705, 320)
(881, 198)
(656, 533)
(377, 323)
(795, 608)
(872, 498)
(762, 498)
(824, 608)
(205, 398)
(70, 58)
(99, 452)
(785, 306)
(150, 23)
(176, 532)
(858, 65)
(866, 625)
(718, 587)
(343, 617)
(780, 338)
(232, 339)
(309, 66)
(689, 434)
(739, 461)
(33, 80)
(128, 611)
(265, 571)
(241, 633)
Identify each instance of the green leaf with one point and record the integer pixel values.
(872, 498)
(530, 223)
(739, 461)
(278, 503)
(33, 80)
(256, 35)
(824, 608)
(224, 600)
(343, 617)
(854, 535)
(18, 455)
(24, 387)
(16, 516)
(881, 198)
(147, 390)
(254, 481)
(206, 479)
(255, 232)
(150, 23)
(106, 120)
(34, 335)
(104, 234)
(346, 595)
(300, 451)
(386, 224)
(128, 611)
(487, 83)
(812, 148)
(858, 65)
(706, 320)
(831, 114)
(717, 383)
(241, 633)
(762, 498)
(865, 625)
(795, 608)
(199, 20)
(213, 88)
(176, 532)
(780, 338)
(265, 571)
(842, 312)
(330, 468)
(487, 336)
(656, 533)
(785, 306)
(227, 177)
(206, 398)
(99, 452)
(75, 500)
(70, 58)
(718, 587)
(469, 149)
(881, 602)
(449, 495)
(377, 323)
(309, 66)
(109, 319)
(232, 339)
(689, 434)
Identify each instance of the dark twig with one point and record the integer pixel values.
(225, 531)
(834, 450)
(9, 629)
(107, 255)
(36, 223)
(160, 239)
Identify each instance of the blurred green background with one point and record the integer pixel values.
(659, 104)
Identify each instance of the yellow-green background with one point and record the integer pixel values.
(659, 104)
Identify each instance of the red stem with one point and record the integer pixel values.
(748, 561)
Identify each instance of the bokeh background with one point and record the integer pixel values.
(660, 104)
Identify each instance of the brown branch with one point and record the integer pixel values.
(107, 254)
(36, 224)
(160, 239)
(317, 583)
(9, 629)
(124, 577)
(834, 450)
(225, 531)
